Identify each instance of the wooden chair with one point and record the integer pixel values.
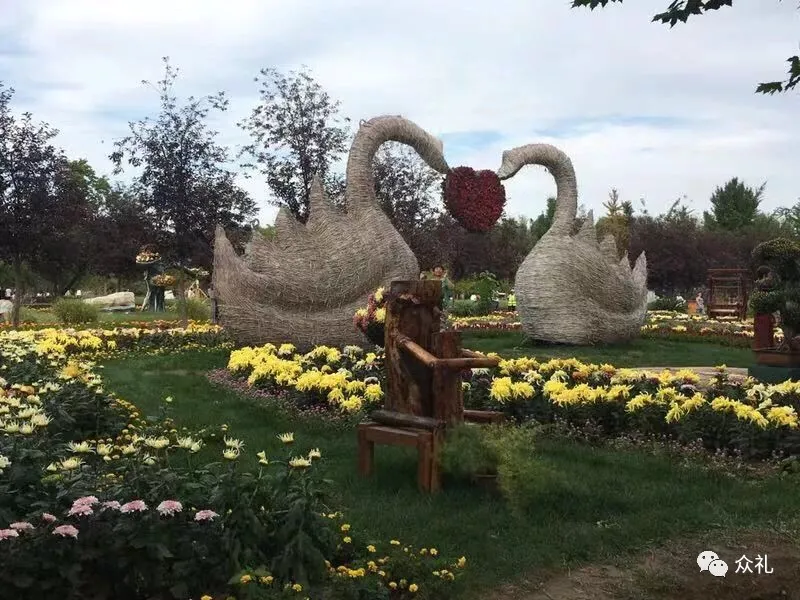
(424, 395)
(425, 441)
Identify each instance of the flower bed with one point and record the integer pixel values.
(753, 419)
(495, 321)
(682, 327)
(346, 381)
(97, 343)
(97, 501)
(133, 323)
(667, 325)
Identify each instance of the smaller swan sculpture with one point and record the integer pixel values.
(571, 289)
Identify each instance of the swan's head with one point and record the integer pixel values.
(508, 166)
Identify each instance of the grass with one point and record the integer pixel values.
(46, 316)
(639, 353)
(605, 504)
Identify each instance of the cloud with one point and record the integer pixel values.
(658, 113)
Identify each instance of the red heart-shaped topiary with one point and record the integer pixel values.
(474, 198)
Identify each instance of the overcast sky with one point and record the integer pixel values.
(654, 112)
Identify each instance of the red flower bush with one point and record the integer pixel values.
(475, 198)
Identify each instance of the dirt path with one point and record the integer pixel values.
(671, 572)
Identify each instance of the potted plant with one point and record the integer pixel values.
(372, 319)
(777, 290)
(467, 454)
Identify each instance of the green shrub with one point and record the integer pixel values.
(75, 312)
(673, 304)
(196, 310)
(507, 451)
(464, 308)
(466, 453)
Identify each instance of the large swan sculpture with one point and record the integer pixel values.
(570, 288)
(304, 286)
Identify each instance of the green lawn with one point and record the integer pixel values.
(46, 316)
(606, 503)
(639, 353)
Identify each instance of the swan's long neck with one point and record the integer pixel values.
(560, 167)
(370, 136)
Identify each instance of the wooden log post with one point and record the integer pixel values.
(448, 394)
(412, 313)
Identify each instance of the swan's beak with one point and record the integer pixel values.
(508, 168)
(504, 172)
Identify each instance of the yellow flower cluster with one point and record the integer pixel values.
(325, 371)
(58, 343)
(21, 410)
(566, 382)
(670, 322)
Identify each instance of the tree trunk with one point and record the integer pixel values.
(412, 310)
(18, 285)
(183, 307)
(448, 405)
(74, 280)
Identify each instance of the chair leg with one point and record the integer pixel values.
(424, 452)
(366, 454)
(435, 472)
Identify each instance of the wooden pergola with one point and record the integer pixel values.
(728, 293)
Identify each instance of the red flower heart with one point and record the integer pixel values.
(474, 198)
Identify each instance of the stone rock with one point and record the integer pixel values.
(118, 301)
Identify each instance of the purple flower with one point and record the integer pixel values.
(8, 533)
(21, 525)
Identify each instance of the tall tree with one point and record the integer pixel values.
(790, 217)
(121, 228)
(682, 10)
(616, 221)
(69, 251)
(543, 222)
(407, 189)
(29, 206)
(296, 133)
(184, 183)
(734, 206)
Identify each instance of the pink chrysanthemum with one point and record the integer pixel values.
(66, 531)
(80, 510)
(169, 507)
(112, 504)
(88, 500)
(133, 506)
(21, 525)
(8, 533)
(205, 515)
(47, 517)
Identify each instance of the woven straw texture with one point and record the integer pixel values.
(571, 289)
(304, 286)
